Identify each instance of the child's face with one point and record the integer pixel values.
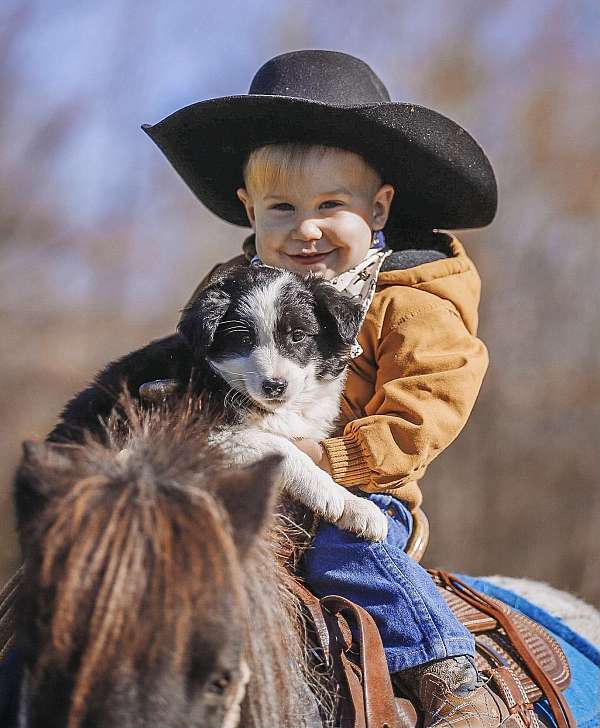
(321, 218)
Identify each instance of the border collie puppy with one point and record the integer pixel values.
(267, 351)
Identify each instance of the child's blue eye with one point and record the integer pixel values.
(328, 204)
(283, 206)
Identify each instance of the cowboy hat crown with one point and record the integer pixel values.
(325, 76)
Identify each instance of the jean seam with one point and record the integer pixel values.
(411, 592)
(424, 611)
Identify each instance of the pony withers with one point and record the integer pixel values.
(267, 350)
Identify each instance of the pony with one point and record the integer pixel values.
(154, 591)
(156, 588)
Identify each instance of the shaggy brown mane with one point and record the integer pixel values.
(132, 543)
(121, 537)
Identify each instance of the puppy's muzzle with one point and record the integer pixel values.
(274, 388)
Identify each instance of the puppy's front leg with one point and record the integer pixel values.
(301, 478)
(311, 486)
(317, 490)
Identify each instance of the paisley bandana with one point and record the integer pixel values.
(360, 281)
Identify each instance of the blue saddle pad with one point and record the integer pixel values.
(583, 694)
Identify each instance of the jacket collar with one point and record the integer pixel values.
(456, 262)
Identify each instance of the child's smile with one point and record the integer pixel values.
(310, 258)
(319, 216)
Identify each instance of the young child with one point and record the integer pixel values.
(321, 164)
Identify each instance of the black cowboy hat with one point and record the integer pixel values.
(442, 177)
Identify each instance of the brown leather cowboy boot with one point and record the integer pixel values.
(450, 691)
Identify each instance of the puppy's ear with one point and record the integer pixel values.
(201, 319)
(337, 312)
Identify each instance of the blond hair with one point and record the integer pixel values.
(278, 165)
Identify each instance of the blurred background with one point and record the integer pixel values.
(101, 243)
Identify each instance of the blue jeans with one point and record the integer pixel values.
(415, 624)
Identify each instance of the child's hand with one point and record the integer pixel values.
(315, 451)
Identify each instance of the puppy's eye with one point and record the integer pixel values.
(298, 335)
(237, 335)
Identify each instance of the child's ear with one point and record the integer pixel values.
(381, 206)
(246, 201)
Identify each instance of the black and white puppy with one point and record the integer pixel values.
(267, 350)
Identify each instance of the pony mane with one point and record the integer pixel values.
(132, 536)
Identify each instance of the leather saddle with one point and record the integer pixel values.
(522, 661)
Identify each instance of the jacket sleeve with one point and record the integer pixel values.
(429, 372)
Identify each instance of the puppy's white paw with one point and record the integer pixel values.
(322, 496)
(363, 518)
(329, 505)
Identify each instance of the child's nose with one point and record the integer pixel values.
(307, 229)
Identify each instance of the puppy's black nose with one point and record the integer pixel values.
(274, 387)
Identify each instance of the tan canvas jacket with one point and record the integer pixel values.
(410, 392)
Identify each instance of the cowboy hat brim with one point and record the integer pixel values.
(442, 177)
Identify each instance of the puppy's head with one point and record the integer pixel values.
(272, 334)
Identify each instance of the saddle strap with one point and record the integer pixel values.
(510, 688)
(380, 708)
(560, 710)
(312, 604)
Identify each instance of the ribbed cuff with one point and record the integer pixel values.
(348, 464)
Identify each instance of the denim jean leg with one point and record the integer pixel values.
(415, 623)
